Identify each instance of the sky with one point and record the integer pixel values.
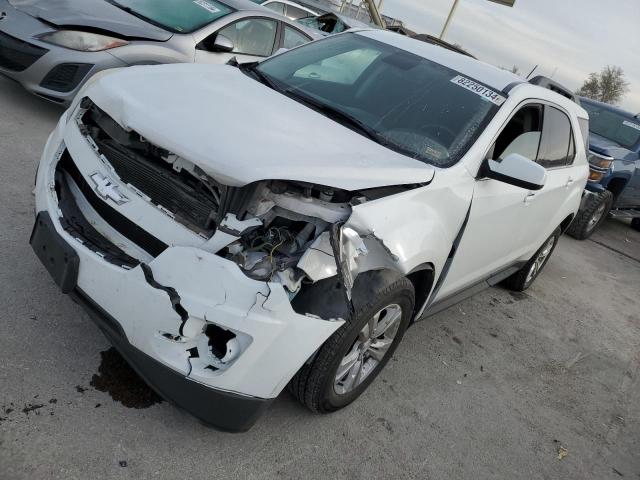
(568, 39)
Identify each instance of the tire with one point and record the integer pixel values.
(591, 216)
(635, 224)
(315, 385)
(524, 278)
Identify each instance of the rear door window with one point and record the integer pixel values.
(556, 139)
(293, 38)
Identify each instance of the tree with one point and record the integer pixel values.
(608, 86)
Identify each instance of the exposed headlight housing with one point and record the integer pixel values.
(82, 41)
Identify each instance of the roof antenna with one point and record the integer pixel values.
(531, 72)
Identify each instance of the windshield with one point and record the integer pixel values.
(404, 102)
(179, 16)
(621, 129)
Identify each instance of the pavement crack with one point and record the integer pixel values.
(619, 252)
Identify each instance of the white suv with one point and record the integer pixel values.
(236, 229)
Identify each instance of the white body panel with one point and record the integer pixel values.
(224, 122)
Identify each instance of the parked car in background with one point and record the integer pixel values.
(227, 259)
(613, 188)
(332, 23)
(423, 37)
(52, 48)
(291, 10)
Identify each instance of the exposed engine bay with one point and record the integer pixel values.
(295, 223)
(274, 230)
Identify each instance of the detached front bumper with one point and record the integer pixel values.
(158, 318)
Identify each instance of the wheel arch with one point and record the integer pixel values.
(566, 222)
(616, 185)
(422, 278)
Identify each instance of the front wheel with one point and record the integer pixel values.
(353, 356)
(591, 216)
(523, 278)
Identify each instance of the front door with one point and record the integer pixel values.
(500, 216)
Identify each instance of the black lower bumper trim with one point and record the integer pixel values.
(222, 410)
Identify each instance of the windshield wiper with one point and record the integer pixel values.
(337, 115)
(260, 76)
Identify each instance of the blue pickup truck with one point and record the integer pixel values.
(613, 188)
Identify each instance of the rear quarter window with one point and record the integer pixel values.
(584, 130)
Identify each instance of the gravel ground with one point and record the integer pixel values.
(494, 387)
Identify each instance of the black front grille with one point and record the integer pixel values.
(163, 186)
(187, 194)
(16, 55)
(119, 222)
(65, 77)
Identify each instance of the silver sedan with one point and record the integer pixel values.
(52, 47)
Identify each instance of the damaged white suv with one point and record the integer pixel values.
(236, 229)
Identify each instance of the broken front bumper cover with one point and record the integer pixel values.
(223, 410)
(252, 372)
(275, 340)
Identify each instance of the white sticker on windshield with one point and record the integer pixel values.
(478, 89)
(631, 124)
(207, 6)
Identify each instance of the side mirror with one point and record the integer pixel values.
(223, 44)
(517, 170)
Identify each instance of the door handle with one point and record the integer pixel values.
(569, 182)
(530, 196)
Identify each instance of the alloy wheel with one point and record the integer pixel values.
(597, 216)
(368, 350)
(541, 259)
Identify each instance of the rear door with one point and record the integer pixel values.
(253, 38)
(561, 194)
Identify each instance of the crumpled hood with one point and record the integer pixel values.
(240, 131)
(91, 13)
(604, 146)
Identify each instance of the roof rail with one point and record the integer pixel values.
(552, 85)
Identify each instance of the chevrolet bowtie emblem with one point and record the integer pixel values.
(107, 189)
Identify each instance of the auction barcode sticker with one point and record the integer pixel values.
(478, 89)
(631, 124)
(207, 6)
